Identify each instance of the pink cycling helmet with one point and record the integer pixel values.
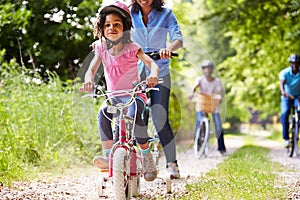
(116, 7)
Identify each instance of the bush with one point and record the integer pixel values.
(39, 127)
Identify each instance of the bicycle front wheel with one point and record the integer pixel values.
(201, 139)
(291, 147)
(120, 176)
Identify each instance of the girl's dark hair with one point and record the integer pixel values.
(156, 5)
(99, 26)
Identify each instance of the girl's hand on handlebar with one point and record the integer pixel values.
(191, 97)
(151, 81)
(165, 53)
(87, 87)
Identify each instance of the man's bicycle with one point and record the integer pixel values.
(206, 104)
(293, 147)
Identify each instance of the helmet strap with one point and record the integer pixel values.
(110, 43)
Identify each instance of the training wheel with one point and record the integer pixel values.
(101, 185)
(168, 185)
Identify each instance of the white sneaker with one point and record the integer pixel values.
(286, 143)
(101, 162)
(149, 167)
(173, 170)
(224, 153)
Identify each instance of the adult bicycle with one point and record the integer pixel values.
(205, 104)
(293, 147)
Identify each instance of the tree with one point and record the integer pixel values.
(262, 33)
(50, 35)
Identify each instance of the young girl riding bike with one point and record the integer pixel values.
(120, 56)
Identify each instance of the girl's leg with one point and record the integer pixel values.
(106, 136)
(140, 132)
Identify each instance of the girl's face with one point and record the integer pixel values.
(113, 27)
(145, 3)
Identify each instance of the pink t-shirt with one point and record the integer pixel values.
(120, 70)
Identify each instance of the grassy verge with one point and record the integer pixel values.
(43, 126)
(246, 174)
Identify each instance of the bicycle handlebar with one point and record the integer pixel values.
(131, 92)
(156, 56)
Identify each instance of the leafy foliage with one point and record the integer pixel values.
(37, 123)
(250, 42)
(263, 34)
(50, 35)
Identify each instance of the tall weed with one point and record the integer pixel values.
(44, 125)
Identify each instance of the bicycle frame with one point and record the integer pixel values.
(130, 154)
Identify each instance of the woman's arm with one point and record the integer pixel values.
(152, 79)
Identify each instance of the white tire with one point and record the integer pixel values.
(201, 146)
(120, 178)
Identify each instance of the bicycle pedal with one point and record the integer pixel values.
(104, 170)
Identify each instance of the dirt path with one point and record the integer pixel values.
(290, 177)
(81, 183)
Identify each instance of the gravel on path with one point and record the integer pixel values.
(80, 183)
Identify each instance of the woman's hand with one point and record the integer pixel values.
(165, 53)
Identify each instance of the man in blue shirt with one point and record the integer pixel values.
(290, 90)
(152, 23)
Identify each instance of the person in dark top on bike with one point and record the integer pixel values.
(210, 85)
(290, 90)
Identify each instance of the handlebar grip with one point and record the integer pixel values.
(156, 56)
(174, 54)
(160, 81)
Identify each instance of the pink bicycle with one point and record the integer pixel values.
(125, 162)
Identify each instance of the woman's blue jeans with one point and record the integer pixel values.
(218, 128)
(160, 118)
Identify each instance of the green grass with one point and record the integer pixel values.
(276, 136)
(246, 174)
(43, 126)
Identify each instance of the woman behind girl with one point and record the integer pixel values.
(120, 56)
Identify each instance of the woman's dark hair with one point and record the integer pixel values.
(99, 26)
(156, 5)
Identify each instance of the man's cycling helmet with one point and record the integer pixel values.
(207, 63)
(294, 58)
